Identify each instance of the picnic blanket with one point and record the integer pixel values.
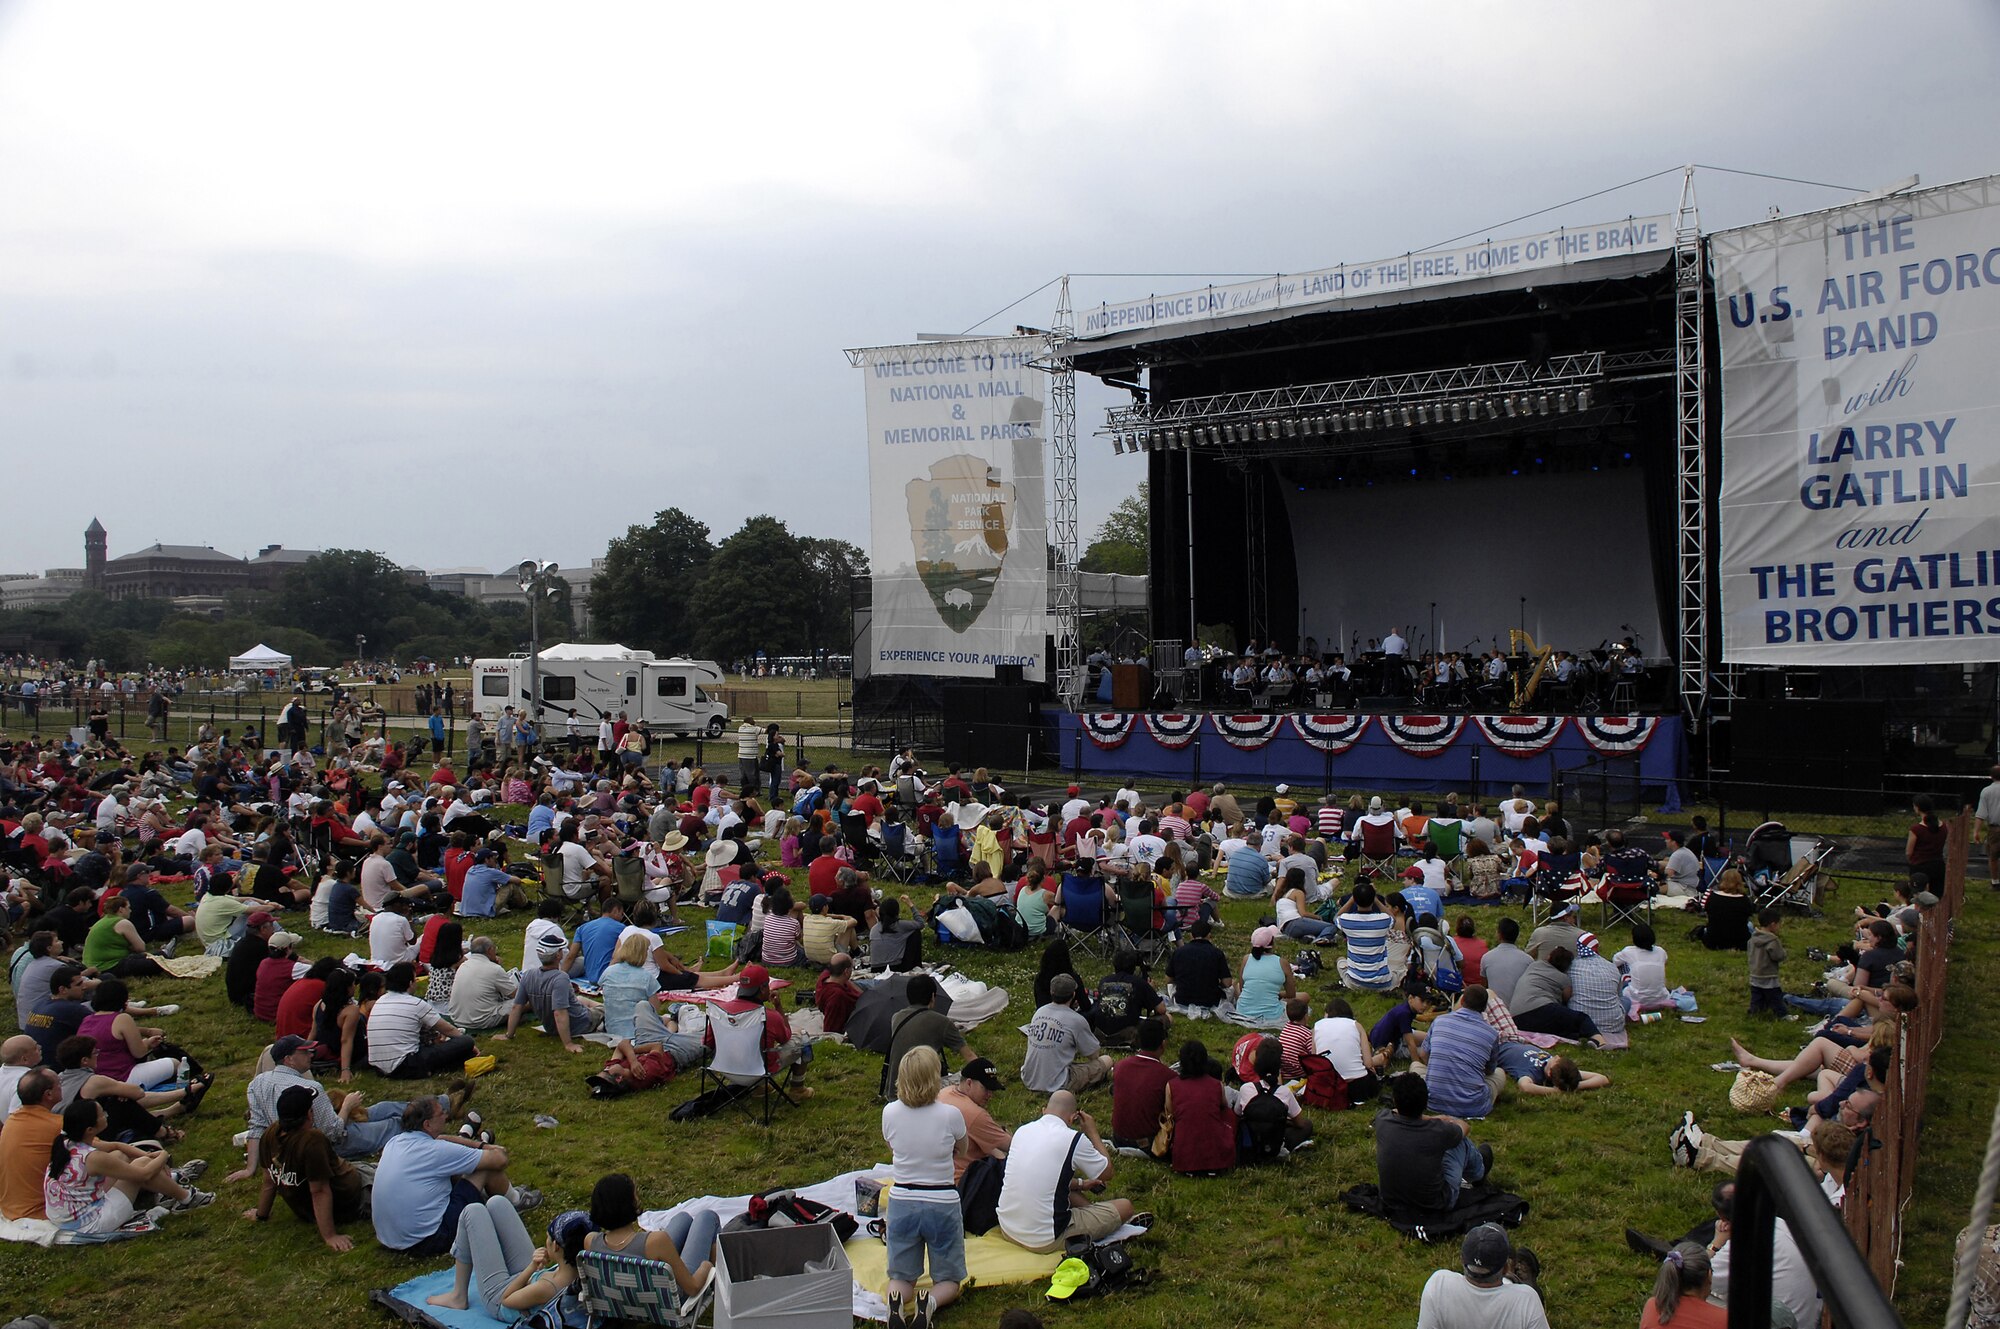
(406, 1302)
(41, 1232)
(189, 966)
(989, 1259)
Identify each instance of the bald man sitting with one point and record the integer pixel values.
(18, 1055)
(1057, 1164)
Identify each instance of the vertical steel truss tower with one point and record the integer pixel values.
(1691, 465)
(1062, 515)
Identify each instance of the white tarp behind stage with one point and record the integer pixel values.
(1860, 503)
(958, 507)
(1574, 545)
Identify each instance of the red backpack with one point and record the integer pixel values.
(1324, 1086)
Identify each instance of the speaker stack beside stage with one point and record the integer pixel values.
(990, 724)
(1806, 755)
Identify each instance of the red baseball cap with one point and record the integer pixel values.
(1074, 790)
(258, 919)
(754, 977)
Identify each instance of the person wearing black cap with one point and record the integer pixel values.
(984, 1137)
(1481, 1298)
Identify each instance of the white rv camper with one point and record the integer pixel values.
(673, 696)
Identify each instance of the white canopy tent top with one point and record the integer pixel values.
(259, 659)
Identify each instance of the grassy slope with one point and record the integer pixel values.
(1258, 1246)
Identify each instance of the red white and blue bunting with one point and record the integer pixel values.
(1520, 735)
(1330, 733)
(1248, 732)
(1173, 732)
(1423, 735)
(1619, 735)
(1108, 729)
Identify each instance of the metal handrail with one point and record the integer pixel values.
(1773, 1182)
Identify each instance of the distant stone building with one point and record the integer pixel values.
(173, 572)
(268, 569)
(51, 588)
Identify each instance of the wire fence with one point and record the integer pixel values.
(1885, 1173)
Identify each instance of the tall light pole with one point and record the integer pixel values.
(534, 581)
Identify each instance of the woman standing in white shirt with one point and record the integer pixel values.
(925, 1138)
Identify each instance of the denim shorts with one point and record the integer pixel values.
(917, 1226)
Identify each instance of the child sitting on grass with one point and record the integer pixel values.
(1767, 953)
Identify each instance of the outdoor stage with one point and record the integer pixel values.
(1464, 753)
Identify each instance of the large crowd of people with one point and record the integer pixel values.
(278, 846)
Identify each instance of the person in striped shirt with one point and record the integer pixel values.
(1295, 1040)
(1327, 817)
(1193, 897)
(1365, 926)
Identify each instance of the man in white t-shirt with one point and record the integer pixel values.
(579, 865)
(1515, 811)
(1148, 845)
(18, 1055)
(1481, 1297)
(1076, 807)
(1046, 1181)
(391, 940)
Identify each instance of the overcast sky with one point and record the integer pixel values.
(467, 283)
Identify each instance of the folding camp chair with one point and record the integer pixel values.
(574, 911)
(1084, 923)
(1377, 843)
(947, 852)
(1558, 879)
(628, 1289)
(1448, 842)
(628, 873)
(898, 863)
(1626, 894)
(1801, 884)
(739, 1060)
(1713, 868)
(1148, 928)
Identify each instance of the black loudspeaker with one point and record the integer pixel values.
(988, 724)
(1008, 676)
(1806, 756)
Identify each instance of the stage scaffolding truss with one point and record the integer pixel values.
(1274, 421)
(1691, 457)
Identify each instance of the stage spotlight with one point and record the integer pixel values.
(1541, 403)
(1369, 419)
(1257, 431)
(1354, 419)
(1423, 415)
(1161, 437)
(1187, 438)
(1406, 417)
(1563, 403)
(1512, 406)
(1214, 435)
(1457, 411)
(1291, 428)
(1117, 445)
(1583, 400)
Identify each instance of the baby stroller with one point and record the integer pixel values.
(1786, 869)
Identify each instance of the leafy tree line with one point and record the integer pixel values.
(316, 615)
(666, 587)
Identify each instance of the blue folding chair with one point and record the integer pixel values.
(1085, 922)
(947, 851)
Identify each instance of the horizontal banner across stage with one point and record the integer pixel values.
(1405, 272)
(1360, 751)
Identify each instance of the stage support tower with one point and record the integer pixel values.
(1691, 466)
(1062, 516)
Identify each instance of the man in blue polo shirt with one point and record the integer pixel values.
(1249, 872)
(599, 937)
(1462, 1059)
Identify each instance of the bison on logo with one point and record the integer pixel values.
(959, 516)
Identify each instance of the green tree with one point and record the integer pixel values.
(1122, 542)
(754, 595)
(642, 595)
(831, 567)
(343, 593)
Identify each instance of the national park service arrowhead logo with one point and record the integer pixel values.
(959, 517)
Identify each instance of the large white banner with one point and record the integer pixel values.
(958, 512)
(1385, 276)
(1861, 432)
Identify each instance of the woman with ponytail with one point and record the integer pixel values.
(94, 1186)
(1680, 1292)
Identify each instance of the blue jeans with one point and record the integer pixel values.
(1463, 1165)
(1817, 1005)
(694, 1236)
(919, 1226)
(364, 1139)
(1309, 929)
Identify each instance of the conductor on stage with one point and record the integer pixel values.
(1394, 645)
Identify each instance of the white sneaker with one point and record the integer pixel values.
(172, 1008)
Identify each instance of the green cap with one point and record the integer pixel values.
(1069, 1278)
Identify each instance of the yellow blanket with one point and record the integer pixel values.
(990, 1259)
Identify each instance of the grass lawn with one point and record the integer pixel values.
(1260, 1246)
